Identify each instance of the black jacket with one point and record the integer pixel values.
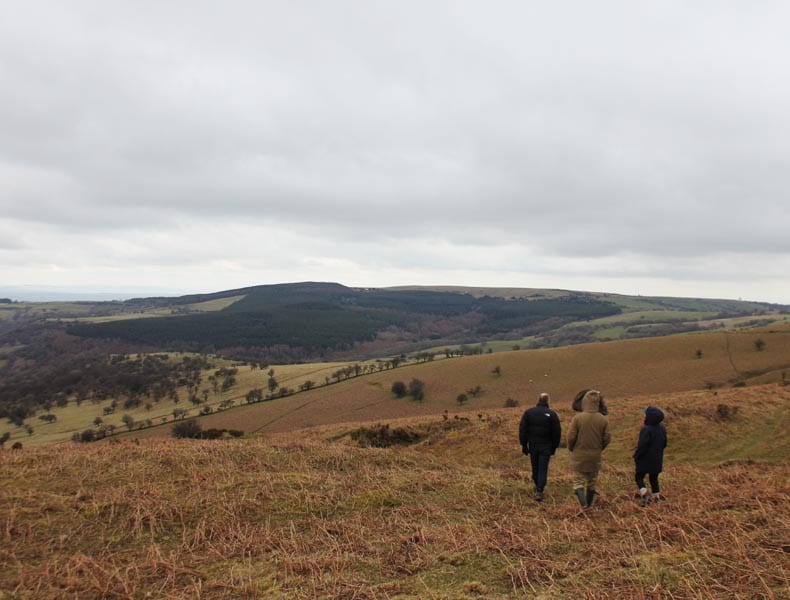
(649, 453)
(539, 428)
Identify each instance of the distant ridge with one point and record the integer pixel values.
(309, 320)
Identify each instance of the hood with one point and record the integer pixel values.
(653, 415)
(591, 401)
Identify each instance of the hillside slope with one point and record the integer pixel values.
(56, 353)
(620, 369)
(449, 516)
(150, 391)
(311, 320)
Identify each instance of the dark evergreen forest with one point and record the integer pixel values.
(316, 319)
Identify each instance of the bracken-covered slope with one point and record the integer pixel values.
(620, 369)
(92, 395)
(448, 515)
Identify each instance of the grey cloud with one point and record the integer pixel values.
(596, 131)
(10, 241)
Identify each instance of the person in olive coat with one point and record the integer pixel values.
(539, 434)
(588, 436)
(649, 454)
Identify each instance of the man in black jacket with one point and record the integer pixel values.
(539, 433)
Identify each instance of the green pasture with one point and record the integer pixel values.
(614, 327)
(163, 311)
(101, 312)
(74, 418)
(610, 333)
(214, 305)
(655, 315)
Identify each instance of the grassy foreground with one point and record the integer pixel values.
(313, 514)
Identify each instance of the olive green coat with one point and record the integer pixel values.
(588, 435)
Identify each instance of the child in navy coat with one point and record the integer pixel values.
(649, 454)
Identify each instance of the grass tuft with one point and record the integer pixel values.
(312, 514)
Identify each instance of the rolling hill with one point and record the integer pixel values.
(266, 320)
(621, 369)
(323, 515)
(57, 355)
(361, 391)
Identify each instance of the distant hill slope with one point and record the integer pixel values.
(621, 369)
(118, 393)
(313, 320)
(53, 354)
(310, 320)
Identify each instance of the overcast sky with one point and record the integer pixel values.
(180, 146)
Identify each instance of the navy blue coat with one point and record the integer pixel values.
(649, 453)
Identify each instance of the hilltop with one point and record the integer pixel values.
(268, 323)
(445, 514)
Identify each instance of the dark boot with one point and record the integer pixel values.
(590, 497)
(581, 496)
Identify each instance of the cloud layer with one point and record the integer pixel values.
(640, 148)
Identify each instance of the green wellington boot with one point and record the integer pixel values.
(581, 496)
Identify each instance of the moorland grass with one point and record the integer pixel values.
(312, 514)
(621, 369)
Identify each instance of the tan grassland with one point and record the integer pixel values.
(312, 514)
(620, 369)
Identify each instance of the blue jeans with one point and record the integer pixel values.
(540, 457)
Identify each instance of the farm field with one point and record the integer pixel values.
(75, 418)
(197, 307)
(316, 514)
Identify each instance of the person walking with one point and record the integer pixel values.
(539, 433)
(577, 403)
(588, 436)
(649, 454)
